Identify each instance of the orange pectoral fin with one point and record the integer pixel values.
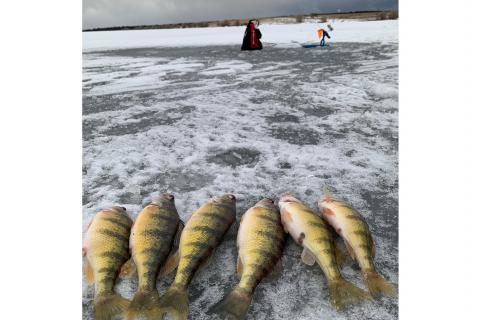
(87, 268)
(328, 212)
(128, 269)
(286, 219)
(239, 267)
(372, 249)
(88, 226)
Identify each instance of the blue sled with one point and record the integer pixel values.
(311, 45)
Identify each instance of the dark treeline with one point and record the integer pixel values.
(364, 15)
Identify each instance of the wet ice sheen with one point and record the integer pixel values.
(203, 121)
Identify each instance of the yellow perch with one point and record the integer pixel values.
(151, 240)
(353, 228)
(313, 234)
(105, 250)
(260, 242)
(201, 235)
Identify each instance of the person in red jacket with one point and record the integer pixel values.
(251, 38)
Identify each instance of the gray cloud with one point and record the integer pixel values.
(107, 13)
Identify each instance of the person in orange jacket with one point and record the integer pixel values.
(322, 33)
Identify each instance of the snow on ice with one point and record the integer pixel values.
(279, 34)
(185, 111)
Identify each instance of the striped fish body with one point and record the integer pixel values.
(201, 235)
(260, 243)
(310, 231)
(151, 239)
(106, 250)
(353, 228)
(106, 245)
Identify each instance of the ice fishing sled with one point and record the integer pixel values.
(309, 44)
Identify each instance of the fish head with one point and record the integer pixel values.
(266, 203)
(114, 211)
(287, 204)
(227, 202)
(286, 198)
(118, 209)
(326, 198)
(325, 201)
(225, 199)
(164, 198)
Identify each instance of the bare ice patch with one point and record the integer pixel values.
(203, 121)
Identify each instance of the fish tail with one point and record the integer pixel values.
(344, 293)
(175, 303)
(145, 305)
(235, 304)
(109, 306)
(378, 286)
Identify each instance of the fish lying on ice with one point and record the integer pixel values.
(260, 243)
(314, 235)
(151, 240)
(203, 232)
(105, 250)
(353, 228)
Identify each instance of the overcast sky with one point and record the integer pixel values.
(108, 13)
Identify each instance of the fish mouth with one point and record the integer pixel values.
(164, 197)
(224, 198)
(287, 197)
(324, 199)
(167, 196)
(119, 209)
(265, 202)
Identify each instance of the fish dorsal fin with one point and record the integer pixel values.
(239, 268)
(340, 255)
(372, 247)
(169, 265)
(178, 234)
(350, 249)
(128, 269)
(87, 268)
(174, 257)
(308, 257)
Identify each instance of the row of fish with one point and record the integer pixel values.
(158, 243)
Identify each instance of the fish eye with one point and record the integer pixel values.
(123, 208)
(231, 197)
(171, 197)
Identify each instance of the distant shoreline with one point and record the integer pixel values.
(313, 17)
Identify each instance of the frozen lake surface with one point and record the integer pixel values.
(203, 121)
